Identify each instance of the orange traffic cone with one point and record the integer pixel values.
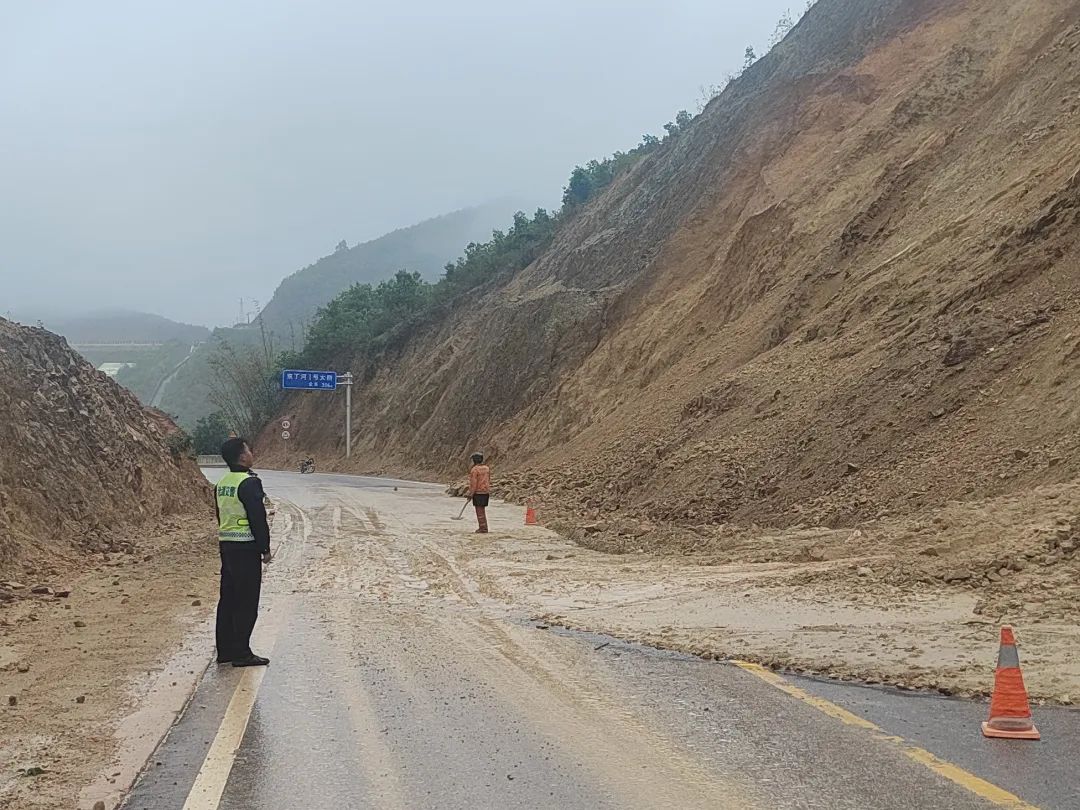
(1010, 714)
(530, 514)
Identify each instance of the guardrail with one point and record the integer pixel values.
(210, 461)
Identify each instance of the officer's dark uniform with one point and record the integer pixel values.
(243, 537)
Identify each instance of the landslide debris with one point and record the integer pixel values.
(846, 295)
(83, 467)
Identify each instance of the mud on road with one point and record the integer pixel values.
(409, 671)
(922, 637)
(89, 682)
(415, 602)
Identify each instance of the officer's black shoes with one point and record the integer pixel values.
(251, 661)
(224, 660)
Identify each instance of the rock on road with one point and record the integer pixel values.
(401, 679)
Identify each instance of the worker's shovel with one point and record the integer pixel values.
(461, 514)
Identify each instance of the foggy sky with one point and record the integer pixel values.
(173, 157)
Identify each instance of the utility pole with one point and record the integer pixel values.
(347, 380)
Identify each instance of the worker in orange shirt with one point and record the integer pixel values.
(480, 490)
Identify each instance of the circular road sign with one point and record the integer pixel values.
(285, 434)
(285, 424)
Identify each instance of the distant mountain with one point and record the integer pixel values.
(424, 248)
(124, 326)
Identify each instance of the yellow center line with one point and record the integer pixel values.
(969, 781)
(210, 781)
(214, 774)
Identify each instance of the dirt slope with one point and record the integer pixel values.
(847, 293)
(117, 529)
(82, 460)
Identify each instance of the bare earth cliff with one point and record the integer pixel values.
(833, 328)
(864, 253)
(82, 459)
(106, 543)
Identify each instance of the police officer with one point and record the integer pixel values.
(244, 542)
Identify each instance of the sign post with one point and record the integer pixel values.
(303, 380)
(346, 380)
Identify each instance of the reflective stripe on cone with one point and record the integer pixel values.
(1010, 712)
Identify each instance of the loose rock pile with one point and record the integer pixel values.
(81, 460)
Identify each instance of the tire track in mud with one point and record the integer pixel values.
(355, 552)
(345, 548)
(532, 671)
(542, 678)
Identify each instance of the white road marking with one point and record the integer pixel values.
(214, 774)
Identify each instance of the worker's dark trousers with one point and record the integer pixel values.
(480, 501)
(238, 607)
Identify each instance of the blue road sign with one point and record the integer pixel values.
(292, 378)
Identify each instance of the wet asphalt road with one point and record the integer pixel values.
(386, 692)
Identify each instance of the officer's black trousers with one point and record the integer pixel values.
(238, 607)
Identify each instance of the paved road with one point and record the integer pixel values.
(398, 682)
(159, 392)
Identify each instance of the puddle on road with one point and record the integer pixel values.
(618, 646)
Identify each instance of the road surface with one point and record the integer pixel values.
(399, 680)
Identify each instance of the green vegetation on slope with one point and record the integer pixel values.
(422, 248)
(186, 397)
(588, 180)
(209, 433)
(364, 318)
(153, 344)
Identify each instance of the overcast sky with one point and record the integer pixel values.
(173, 157)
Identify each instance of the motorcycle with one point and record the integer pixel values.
(307, 466)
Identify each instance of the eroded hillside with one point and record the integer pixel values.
(84, 467)
(847, 292)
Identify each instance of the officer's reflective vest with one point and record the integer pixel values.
(233, 523)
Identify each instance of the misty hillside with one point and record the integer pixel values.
(124, 326)
(424, 248)
(147, 347)
(846, 291)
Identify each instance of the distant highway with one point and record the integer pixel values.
(159, 392)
